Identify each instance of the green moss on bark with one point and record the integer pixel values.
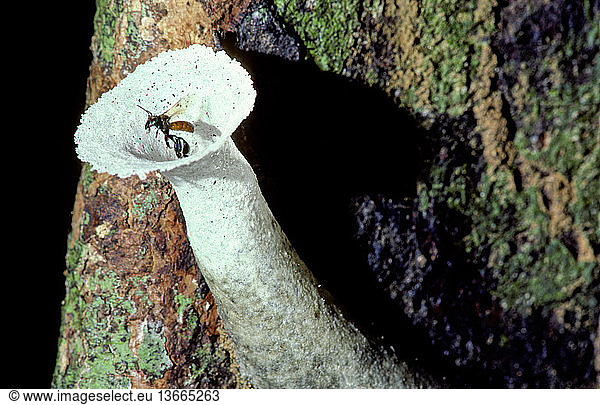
(422, 53)
(326, 27)
(552, 89)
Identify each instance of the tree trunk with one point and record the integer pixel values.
(137, 312)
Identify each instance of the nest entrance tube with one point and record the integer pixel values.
(212, 92)
(285, 328)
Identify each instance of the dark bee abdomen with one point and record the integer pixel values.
(181, 126)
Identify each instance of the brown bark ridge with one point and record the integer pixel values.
(137, 312)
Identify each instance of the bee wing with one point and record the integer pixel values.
(179, 107)
(191, 108)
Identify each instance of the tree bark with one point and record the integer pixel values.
(137, 312)
(499, 259)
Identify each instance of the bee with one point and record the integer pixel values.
(163, 123)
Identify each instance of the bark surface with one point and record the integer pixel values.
(137, 312)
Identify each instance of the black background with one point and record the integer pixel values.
(47, 58)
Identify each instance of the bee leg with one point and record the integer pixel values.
(177, 148)
(169, 138)
(181, 147)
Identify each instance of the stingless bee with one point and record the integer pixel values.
(163, 123)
